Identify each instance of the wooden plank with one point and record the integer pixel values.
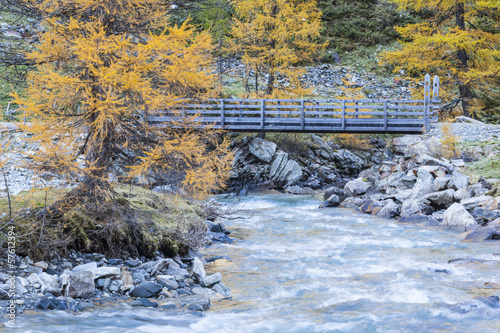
(356, 110)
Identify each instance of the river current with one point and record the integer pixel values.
(297, 268)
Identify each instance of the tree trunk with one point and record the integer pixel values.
(272, 46)
(463, 58)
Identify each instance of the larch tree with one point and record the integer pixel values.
(102, 68)
(459, 43)
(273, 37)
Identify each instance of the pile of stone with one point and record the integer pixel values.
(416, 187)
(86, 280)
(259, 164)
(328, 80)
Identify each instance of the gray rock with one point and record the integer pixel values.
(34, 279)
(132, 263)
(79, 284)
(85, 267)
(471, 203)
(4, 295)
(199, 304)
(332, 201)
(390, 210)
(167, 281)
(147, 289)
(212, 279)
(115, 285)
(283, 171)
(485, 214)
(348, 162)
(495, 224)
(395, 180)
(205, 292)
(339, 192)
(482, 234)
(50, 284)
(357, 187)
(457, 217)
(464, 193)
(409, 181)
(441, 183)
(424, 184)
(159, 265)
(442, 199)
(21, 285)
(262, 149)
(458, 181)
(4, 277)
(98, 272)
(198, 270)
(352, 203)
(222, 289)
(403, 145)
(297, 190)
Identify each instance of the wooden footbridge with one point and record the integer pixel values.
(316, 115)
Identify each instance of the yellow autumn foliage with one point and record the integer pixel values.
(450, 44)
(449, 141)
(103, 68)
(274, 37)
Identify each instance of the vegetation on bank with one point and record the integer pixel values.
(140, 222)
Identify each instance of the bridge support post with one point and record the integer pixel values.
(262, 134)
(435, 96)
(222, 120)
(427, 101)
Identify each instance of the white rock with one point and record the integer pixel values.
(457, 217)
(198, 269)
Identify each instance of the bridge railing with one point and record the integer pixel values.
(314, 115)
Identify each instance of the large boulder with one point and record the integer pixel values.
(424, 184)
(357, 186)
(457, 217)
(262, 149)
(458, 181)
(78, 284)
(442, 199)
(283, 171)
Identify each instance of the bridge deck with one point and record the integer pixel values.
(311, 116)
